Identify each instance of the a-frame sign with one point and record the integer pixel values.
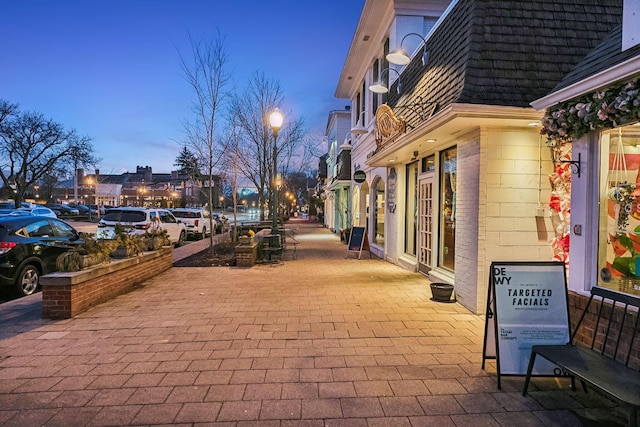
(358, 241)
(527, 304)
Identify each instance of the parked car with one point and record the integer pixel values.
(83, 209)
(36, 211)
(96, 208)
(63, 210)
(141, 220)
(29, 246)
(196, 221)
(222, 223)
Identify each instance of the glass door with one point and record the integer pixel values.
(425, 225)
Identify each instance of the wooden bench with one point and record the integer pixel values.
(604, 363)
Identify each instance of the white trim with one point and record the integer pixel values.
(591, 83)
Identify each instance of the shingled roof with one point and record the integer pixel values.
(604, 56)
(505, 53)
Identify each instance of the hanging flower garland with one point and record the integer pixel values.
(615, 106)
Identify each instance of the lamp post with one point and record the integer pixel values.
(275, 120)
(90, 184)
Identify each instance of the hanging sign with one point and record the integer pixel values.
(359, 176)
(527, 305)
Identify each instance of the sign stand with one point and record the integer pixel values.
(527, 305)
(358, 241)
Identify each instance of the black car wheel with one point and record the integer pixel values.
(28, 279)
(181, 239)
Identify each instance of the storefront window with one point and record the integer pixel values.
(619, 216)
(448, 172)
(379, 213)
(411, 208)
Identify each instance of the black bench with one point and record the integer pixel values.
(604, 363)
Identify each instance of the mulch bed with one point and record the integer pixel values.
(223, 256)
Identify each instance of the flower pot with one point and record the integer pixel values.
(442, 292)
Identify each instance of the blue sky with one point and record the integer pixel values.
(110, 69)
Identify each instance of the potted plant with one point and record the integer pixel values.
(442, 292)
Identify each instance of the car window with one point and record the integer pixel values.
(186, 214)
(167, 217)
(39, 229)
(133, 216)
(124, 216)
(62, 229)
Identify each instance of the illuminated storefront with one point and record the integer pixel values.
(619, 210)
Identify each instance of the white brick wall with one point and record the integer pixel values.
(507, 197)
(467, 220)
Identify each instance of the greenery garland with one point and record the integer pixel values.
(615, 106)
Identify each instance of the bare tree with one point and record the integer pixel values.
(205, 71)
(230, 168)
(252, 110)
(32, 147)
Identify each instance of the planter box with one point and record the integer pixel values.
(246, 255)
(65, 295)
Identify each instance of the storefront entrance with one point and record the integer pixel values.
(425, 224)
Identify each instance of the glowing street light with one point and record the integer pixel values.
(275, 120)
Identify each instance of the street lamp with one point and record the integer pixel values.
(90, 184)
(275, 120)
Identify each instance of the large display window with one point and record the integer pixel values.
(619, 213)
(448, 173)
(379, 213)
(411, 208)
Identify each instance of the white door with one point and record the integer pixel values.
(425, 224)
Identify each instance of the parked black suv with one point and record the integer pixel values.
(29, 246)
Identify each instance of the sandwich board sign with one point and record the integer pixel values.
(527, 305)
(358, 241)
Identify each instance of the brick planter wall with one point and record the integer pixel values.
(246, 255)
(65, 295)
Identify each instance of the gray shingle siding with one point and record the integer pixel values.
(604, 56)
(505, 53)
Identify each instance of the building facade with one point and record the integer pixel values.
(337, 186)
(142, 188)
(456, 171)
(591, 118)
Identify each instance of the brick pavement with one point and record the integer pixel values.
(324, 340)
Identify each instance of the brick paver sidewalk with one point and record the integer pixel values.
(324, 340)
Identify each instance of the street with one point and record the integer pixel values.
(91, 227)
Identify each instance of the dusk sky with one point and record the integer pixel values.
(110, 68)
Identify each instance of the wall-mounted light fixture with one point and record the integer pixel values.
(381, 87)
(400, 56)
(359, 128)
